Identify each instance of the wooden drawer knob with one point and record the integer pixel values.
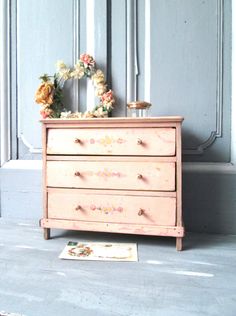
(139, 141)
(77, 174)
(78, 141)
(78, 208)
(140, 212)
(139, 176)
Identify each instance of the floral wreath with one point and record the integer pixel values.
(50, 92)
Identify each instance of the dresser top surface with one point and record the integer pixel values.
(115, 120)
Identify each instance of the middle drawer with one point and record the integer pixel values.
(125, 175)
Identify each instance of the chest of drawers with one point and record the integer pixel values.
(120, 175)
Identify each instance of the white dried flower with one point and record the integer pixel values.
(60, 65)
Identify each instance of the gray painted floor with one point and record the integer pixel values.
(201, 280)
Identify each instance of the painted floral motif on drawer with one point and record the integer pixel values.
(106, 209)
(106, 173)
(105, 141)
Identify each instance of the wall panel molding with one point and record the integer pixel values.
(133, 62)
(132, 51)
(233, 85)
(147, 52)
(75, 83)
(27, 146)
(4, 81)
(118, 51)
(217, 133)
(75, 50)
(90, 48)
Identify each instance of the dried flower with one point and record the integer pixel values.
(107, 98)
(87, 60)
(65, 74)
(98, 78)
(78, 72)
(60, 65)
(46, 112)
(100, 112)
(44, 93)
(101, 89)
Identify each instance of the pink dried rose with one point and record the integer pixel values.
(87, 60)
(107, 98)
(46, 112)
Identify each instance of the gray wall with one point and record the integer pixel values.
(174, 53)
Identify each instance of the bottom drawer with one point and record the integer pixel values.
(75, 204)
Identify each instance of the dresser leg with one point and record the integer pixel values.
(46, 233)
(179, 243)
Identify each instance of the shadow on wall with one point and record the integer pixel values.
(209, 202)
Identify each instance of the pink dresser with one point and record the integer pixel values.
(119, 175)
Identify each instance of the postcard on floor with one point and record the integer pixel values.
(100, 251)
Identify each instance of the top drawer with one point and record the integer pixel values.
(112, 141)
